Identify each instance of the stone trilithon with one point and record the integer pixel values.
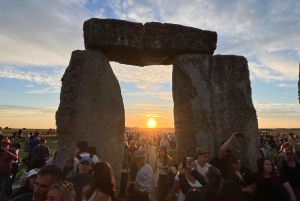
(212, 94)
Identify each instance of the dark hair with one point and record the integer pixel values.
(17, 145)
(232, 161)
(260, 171)
(214, 176)
(195, 194)
(42, 140)
(104, 179)
(52, 170)
(166, 157)
(139, 194)
(92, 150)
(230, 191)
(83, 146)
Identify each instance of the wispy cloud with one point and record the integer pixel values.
(15, 111)
(53, 79)
(286, 85)
(29, 86)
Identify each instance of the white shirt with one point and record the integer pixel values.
(77, 161)
(202, 170)
(181, 196)
(145, 179)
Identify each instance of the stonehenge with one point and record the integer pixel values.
(211, 93)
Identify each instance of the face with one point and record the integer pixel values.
(84, 167)
(53, 195)
(32, 180)
(203, 158)
(162, 153)
(237, 166)
(268, 166)
(290, 155)
(4, 146)
(42, 183)
(194, 164)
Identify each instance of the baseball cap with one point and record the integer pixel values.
(33, 172)
(86, 158)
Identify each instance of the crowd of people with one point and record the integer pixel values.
(150, 173)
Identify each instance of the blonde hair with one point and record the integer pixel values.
(66, 190)
(202, 151)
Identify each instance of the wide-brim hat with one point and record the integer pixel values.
(139, 154)
(6, 141)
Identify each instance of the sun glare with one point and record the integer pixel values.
(151, 123)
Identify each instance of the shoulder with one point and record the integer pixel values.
(101, 196)
(24, 197)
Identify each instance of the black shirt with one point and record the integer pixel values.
(291, 173)
(267, 190)
(221, 164)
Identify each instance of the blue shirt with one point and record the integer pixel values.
(32, 144)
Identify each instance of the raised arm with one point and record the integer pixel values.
(225, 146)
(290, 191)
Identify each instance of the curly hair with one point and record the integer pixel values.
(66, 190)
(260, 171)
(104, 179)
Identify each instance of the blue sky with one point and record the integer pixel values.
(37, 38)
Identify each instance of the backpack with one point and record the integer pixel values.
(79, 158)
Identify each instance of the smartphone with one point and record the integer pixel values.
(184, 162)
(241, 135)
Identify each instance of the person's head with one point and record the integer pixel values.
(290, 155)
(163, 153)
(138, 157)
(61, 191)
(291, 135)
(82, 146)
(285, 145)
(165, 137)
(195, 194)
(104, 178)
(132, 144)
(47, 176)
(265, 167)
(32, 176)
(282, 140)
(36, 135)
(92, 150)
(191, 161)
(85, 165)
(139, 194)
(212, 176)
(229, 149)
(202, 155)
(5, 143)
(234, 164)
(42, 141)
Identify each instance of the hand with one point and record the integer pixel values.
(248, 190)
(85, 191)
(180, 169)
(70, 162)
(233, 135)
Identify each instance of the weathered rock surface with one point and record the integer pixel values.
(150, 44)
(91, 109)
(212, 100)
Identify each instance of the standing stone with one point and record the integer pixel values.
(91, 109)
(212, 100)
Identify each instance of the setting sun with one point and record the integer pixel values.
(151, 123)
